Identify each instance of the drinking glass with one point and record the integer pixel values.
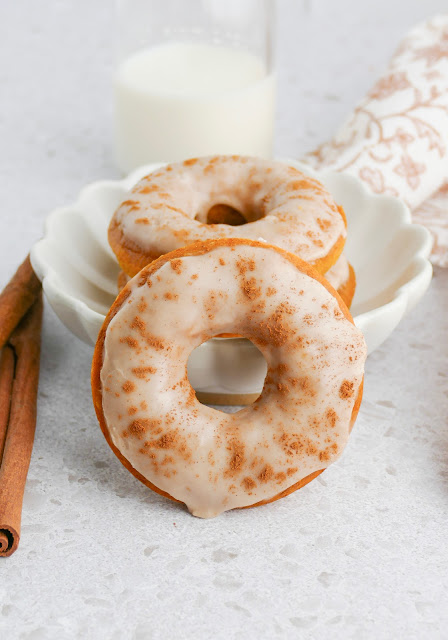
(193, 77)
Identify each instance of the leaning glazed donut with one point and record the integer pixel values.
(189, 452)
(342, 277)
(227, 197)
(147, 408)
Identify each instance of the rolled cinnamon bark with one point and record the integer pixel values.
(25, 341)
(17, 297)
(7, 366)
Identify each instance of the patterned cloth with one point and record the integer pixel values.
(396, 140)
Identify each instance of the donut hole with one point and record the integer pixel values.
(225, 214)
(227, 371)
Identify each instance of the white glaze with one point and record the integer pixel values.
(339, 272)
(288, 431)
(168, 208)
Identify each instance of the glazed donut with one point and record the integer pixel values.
(192, 453)
(342, 277)
(227, 197)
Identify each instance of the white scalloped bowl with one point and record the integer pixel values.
(388, 252)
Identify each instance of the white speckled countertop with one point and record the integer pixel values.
(359, 553)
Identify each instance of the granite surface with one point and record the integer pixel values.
(359, 553)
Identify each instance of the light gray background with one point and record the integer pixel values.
(359, 553)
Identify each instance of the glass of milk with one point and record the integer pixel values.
(194, 77)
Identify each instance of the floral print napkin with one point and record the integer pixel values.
(396, 139)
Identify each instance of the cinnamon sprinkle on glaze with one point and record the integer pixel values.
(248, 484)
(132, 205)
(327, 453)
(176, 265)
(142, 278)
(237, 458)
(323, 224)
(331, 417)
(347, 389)
(143, 372)
(131, 342)
(149, 188)
(276, 330)
(142, 306)
(138, 324)
(250, 289)
(267, 474)
(138, 428)
(244, 265)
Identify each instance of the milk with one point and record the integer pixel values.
(180, 100)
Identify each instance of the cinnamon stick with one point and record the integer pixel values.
(7, 367)
(16, 298)
(25, 341)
